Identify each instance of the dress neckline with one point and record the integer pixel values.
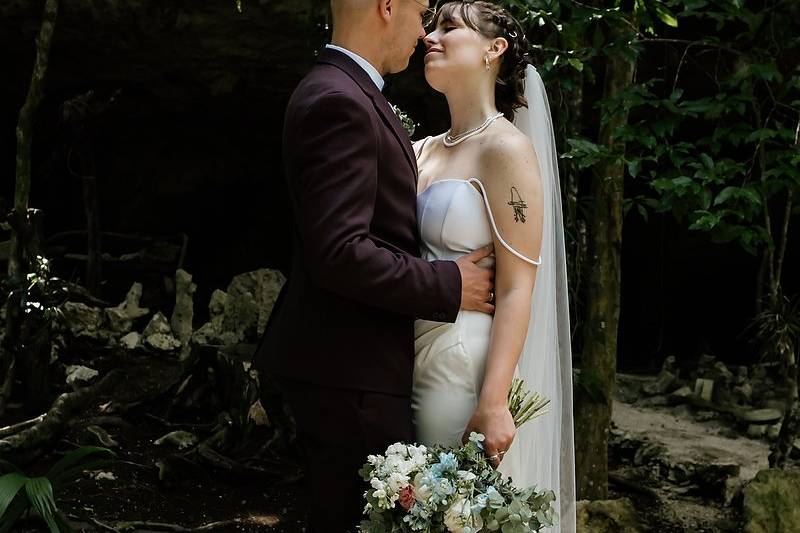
(434, 182)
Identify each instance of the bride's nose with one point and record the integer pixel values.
(429, 39)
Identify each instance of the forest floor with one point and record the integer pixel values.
(137, 500)
(668, 503)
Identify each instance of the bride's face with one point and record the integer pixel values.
(455, 52)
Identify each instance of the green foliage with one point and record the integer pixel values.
(713, 139)
(38, 493)
(38, 295)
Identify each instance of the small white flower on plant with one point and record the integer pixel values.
(476, 437)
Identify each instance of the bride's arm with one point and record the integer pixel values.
(513, 189)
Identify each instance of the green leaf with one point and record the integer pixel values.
(73, 457)
(40, 494)
(576, 64)
(9, 519)
(10, 485)
(665, 15)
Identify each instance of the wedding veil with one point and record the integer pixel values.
(543, 450)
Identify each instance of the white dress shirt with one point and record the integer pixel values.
(363, 63)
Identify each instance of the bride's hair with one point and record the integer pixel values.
(493, 21)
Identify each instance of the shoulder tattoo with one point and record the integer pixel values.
(518, 205)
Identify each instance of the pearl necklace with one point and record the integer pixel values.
(452, 140)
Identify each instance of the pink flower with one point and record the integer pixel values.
(406, 497)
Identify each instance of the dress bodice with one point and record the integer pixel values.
(452, 220)
(455, 218)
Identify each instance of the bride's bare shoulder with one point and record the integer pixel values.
(420, 144)
(506, 153)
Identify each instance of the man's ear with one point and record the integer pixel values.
(498, 47)
(387, 9)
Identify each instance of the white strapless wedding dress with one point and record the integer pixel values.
(455, 219)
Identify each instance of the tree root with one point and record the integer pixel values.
(16, 428)
(160, 526)
(52, 423)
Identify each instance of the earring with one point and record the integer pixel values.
(486, 60)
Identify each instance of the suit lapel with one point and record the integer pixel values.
(352, 69)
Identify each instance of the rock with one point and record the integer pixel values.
(629, 386)
(774, 430)
(760, 416)
(722, 374)
(103, 476)
(163, 342)
(704, 365)
(158, 324)
(80, 374)
(258, 415)
(661, 384)
(654, 401)
(680, 396)
(84, 321)
(216, 307)
(704, 389)
(248, 305)
(183, 313)
(121, 317)
(179, 439)
(648, 452)
(705, 415)
(742, 394)
(131, 341)
(208, 333)
(770, 502)
(683, 411)
(756, 431)
(607, 516)
(742, 375)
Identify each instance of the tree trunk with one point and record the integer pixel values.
(23, 234)
(594, 399)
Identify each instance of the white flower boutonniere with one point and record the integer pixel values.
(408, 123)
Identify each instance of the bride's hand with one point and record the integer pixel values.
(497, 425)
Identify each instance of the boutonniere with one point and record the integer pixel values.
(408, 123)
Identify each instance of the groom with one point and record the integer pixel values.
(340, 342)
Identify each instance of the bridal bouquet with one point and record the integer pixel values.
(440, 489)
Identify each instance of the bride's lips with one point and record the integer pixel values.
(433, 51)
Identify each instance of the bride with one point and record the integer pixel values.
(493, 178)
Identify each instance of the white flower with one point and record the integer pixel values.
(379, 494)
(377, 484)
(421, 491)
(466, 475)
(397, 481)
(459, 514)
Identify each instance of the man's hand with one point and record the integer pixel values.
(477, 283)
(497, 425)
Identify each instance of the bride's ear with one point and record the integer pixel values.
(497, 47)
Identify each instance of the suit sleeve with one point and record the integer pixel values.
(333, 173)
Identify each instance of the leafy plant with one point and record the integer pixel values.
(39, 295)
(38, 491)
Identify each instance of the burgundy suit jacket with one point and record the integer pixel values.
(345, 317)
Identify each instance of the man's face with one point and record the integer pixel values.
(408, 28)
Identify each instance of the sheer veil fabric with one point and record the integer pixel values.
(543, 450)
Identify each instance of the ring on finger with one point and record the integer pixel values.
(491, 297)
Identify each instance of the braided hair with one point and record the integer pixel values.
(493, 21)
